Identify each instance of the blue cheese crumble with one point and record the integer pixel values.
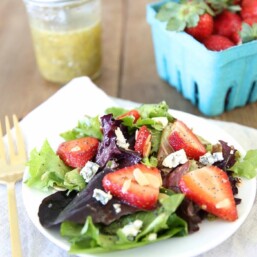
(132, 229)
(117, 207)
(174, 159)
(89, 170)
(102, 196)
(208, 158)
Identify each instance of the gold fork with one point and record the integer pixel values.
(12, 163)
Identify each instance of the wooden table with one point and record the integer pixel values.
(128, 63)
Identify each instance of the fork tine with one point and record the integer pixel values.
(2, 149)
(10, 140)
(19, 137)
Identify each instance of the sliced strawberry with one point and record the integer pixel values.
(76, 153)
(133, 113)
(143, 141)
(209, 187)
(182, 137)
(203, 29)
(218, 43)
(137, 185)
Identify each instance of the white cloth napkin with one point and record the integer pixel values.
(61, 112)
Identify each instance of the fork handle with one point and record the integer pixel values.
(13, 220)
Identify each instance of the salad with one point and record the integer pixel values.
(134, 177)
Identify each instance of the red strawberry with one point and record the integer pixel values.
(203, 29)
(248, 8)
(143, 141)
(236, 38)
(251, 20)
(217, 43)
(137, 185)
(227, 24)
(209, 187)
(77, 152)
(182, 137)
(133, 113)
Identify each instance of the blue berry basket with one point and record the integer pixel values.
(213, 81)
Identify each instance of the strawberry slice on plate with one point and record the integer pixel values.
(137, 185)
(182, 137)
(143, 141)
(134, 113)
(75, 153)
(209, 187)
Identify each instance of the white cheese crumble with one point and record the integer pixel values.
(117, 207)
(132, 229)
(152, 237)
(174, 159)
(209, 159)
(89, 170)
(206, 159)
(161, 120)
(102, 196)
(121, 140)
(218, 156)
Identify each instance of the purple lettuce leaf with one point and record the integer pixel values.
(229, 155)
(108, 148)
(76, 207)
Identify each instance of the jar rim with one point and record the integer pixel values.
(55, 2)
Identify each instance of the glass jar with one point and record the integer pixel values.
(67, 37)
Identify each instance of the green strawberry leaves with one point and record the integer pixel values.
(183, 14)
(248, 33)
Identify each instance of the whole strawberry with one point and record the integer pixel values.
(248, 8)
(203, 29)
(250, 20)
(217, 43)
(194, 17)
(228, 24)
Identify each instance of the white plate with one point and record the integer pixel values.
(211, 233)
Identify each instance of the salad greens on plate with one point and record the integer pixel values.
(134, 177)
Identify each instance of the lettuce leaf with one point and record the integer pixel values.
(89, 126)
(161, 223)
(47, 170)
(247, 167)
(155, 110)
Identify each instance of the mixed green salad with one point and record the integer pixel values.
(134, 177)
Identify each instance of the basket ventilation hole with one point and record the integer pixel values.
(254, 84)
(196, 94)
(227, 99)
(179, 88)
(165, 67)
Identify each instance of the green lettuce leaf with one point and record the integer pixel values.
(116, 111)
(155, 110)
(247, 167)
(47, 170)
(89, 126)
(157, 225)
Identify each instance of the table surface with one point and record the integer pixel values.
(128, 69)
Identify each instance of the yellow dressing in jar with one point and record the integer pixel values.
(67, 37)
(62, 56)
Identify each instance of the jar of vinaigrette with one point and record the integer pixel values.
(67, 37)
